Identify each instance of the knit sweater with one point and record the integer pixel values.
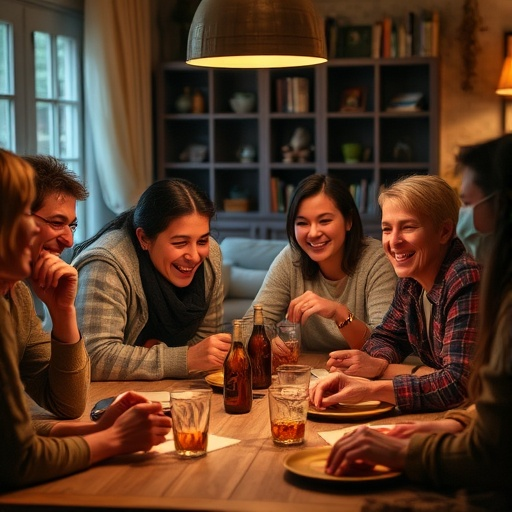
(367, 293)
(55, 375)
(25, 457)
(480, 455)
(112, 311)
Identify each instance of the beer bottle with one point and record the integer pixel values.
(260, 352)
(237, 375)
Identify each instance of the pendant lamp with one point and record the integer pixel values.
(256, 34)
(505, 83)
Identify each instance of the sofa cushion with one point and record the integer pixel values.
(251, 253)
(245, 283)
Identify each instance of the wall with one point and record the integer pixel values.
(466, 117)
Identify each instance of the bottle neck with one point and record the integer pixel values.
(258, 317)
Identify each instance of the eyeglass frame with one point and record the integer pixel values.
(58, 225)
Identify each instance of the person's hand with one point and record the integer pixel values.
(138, 428)
(54, 281)
(363, 448)
(309, 303)
(120, 405)
(209, 354)
(356, 363)
(338, 387)
(279, 347)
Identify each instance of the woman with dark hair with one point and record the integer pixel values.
(478, 457)
(330, 278)
(150, 294)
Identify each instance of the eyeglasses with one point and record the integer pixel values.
(58, 225)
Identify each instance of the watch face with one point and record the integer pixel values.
(100, 407)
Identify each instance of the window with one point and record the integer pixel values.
(40, 79)
(7, 121)
(41, 107)
(57, 98)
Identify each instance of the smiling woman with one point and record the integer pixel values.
(150, 294)
(331, 278)
(434, 311)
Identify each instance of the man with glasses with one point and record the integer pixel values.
(54, 209)
(55, 372)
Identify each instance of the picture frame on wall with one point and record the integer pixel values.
(353, 99)
(354, 41)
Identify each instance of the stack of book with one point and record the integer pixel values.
(292, 94)
(407, 36)
(280, 194)
(361, 192)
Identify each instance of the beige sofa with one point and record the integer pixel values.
(245, 264)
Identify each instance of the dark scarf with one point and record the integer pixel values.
(174, 314)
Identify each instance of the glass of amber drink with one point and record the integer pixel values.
(190, 412)
(288, 406)
(286, 344)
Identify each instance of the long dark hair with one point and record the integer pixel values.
(340, 194)
(160, 204)
(497, 274)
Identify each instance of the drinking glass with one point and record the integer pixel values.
(288, 406)
(190, 411)
(289, 334)
(294, 374)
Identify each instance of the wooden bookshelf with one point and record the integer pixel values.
(394, 143)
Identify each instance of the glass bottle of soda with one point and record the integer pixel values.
(237, 375)
(260, 352)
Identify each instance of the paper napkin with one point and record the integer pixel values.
(333, 435)
(214, 443)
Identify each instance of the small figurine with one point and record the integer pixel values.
(299, 147)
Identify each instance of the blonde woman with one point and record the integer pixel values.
(433, 315)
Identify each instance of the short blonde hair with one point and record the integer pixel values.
(427, 195)
(17, 190)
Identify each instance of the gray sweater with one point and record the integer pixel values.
(112, 311)
(367, 293)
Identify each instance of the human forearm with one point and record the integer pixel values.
(354, 330)
(382, 390)
(73, 428)
(392, 370)
(65, 326)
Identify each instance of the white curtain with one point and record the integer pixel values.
(117, 78)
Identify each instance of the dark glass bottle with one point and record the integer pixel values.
(260, 352)
(237, 375)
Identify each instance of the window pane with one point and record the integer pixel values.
(6, 68)
(44, 134)
(68, 129)
(43, 65)
(6, 125)
(66, 68)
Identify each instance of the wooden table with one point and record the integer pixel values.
(249, 476)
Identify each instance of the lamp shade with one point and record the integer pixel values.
(505, 83)
(256, 34)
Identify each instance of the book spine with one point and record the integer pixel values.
(409, 52)
(386, 36)
(435, 34)
(376, 39)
